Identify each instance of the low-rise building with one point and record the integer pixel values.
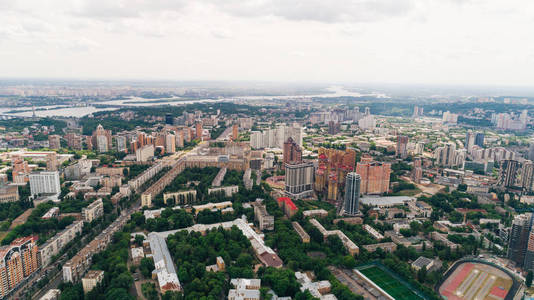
(421, 262)
(51, 294)
(387, 247)
(94, 211)
(304, 236)
(244, 289)
(321, 213)
(264, 219)
(58, 241)
(349, 245)
(227, 190)
(91, 280)
(287, 206)
(9, 193)
(373, 232)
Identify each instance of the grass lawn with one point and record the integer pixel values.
(389, 284)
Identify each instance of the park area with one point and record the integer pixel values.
(476, 281)
(387, 282)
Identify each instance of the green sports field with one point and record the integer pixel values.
(389, 284)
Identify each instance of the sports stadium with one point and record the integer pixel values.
(387, 283)
(477, 279)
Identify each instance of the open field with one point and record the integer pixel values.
(388, 283)
(476, 281)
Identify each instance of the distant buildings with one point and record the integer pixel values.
(417, 171)
(18, 260)
(448, 156)
(374, 176)
(121, 144)
(508, 121)
(352, 193)
(54, 141)
(275, 137)
(450, 118)
(402, 144)
(45, 183)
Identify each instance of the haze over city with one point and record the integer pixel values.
(440, 42)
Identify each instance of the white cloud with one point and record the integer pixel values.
(434, 41)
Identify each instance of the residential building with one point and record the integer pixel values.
(244, 289)
(386, 247)
(264, 219)
(54, 141)
(227, 190)
(519, 238)
(58, 241)
(51, 294)
(164, 266)
(508, 173)
(352, 193)
(121, 144)
(91, 280)
(299, 180)
(170, 143)
(9, 193)
(402, 144)
(74, 141)
(374, 176)
(304, 236)
(292, 152)
(144, 153)
(287, 206)
(101, 138)
(94, 211)
(18, 260)
(44, 183)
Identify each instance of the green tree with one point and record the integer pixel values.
(528, 279)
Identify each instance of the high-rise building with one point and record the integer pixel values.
(333, 128)
(180, 139)
(17, 261)
(54, 141)
(402, 145)
(170, 143)
(256, 140)
(198, 130)
(417, 171)
(519, 237)
(469, 140)
(508, 173)
(445, 156)
(531, 151)
(527, 176)
(101, 138)
(417, 112)
(299, 180)
(121, 144)
(374, 176)
(52, 163)
(21, 170)
(479, 139)
(144, 153)
(292, 152)
(352, 193)
(45, 183)
(74, 141)
(169, 119)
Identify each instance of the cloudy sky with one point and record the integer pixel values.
(488, 42)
